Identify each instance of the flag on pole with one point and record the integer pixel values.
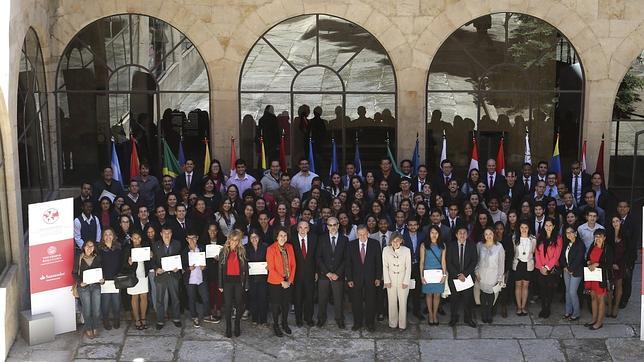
(116, 165)
(444, 150)
(311, 158)
(394, 164)
(527, 158)
(555, 161)
(356, 159)
(415, 158)
(206, 157)
(262, 156)
(170, 163)
(500, 158)
(282, 153)
(583, 157)
(233, 157)
(182, 155)
(134, 159)
(599, 168)
(474, 161)
(334, 158)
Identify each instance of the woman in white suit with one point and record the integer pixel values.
(523, 265)
(396, 271)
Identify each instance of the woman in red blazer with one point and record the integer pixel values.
(280, 260)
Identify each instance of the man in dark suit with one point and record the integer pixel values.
(418, 181)
(604, 198)
(538, 221)
(386, 172)
(364, 272)
(441, 182)
(568, 204)
(452, 221)
(182, 225)
(495, 181)
(461, 259)
(167, 281)
(528, 179)
(107, 183)
(189, 179)
(383, 235)
(577, 181)
(514, 190)
(166, 189)
(331, 257)
(413, 238)
(85, 194)
(305, 246)
(633, 243)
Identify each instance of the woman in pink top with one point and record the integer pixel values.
(549, 244)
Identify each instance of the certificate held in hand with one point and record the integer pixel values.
(170, 263)
(212, 250)
(433, 275)
(467, 284)
(197, 258)
(91, 276)
(140, 254)
(592, 276)
(257, 268)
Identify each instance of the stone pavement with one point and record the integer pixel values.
(507, 339)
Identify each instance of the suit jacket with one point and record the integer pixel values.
(500, 186)
(329, 260)
(363, 274)
(393, 180)
(533, 228)
(561, 210)
(533, 182)
(576, 258)
(78, 206)
(439, 183)
(179, 233)
(414, 184)
(517, 194)
(195, 183)
(306, 267)
(420, 238)
(470, 259)
(452, 231)
(585, 183)
(378, 236)
(159, 251)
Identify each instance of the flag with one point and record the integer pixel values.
(474, 162)
(356, 160)
(170, 163)
(116, 165)
(500, 159)
(555, 161)
(444, 150)
(262, 158)
(134, 159)
(206, 158)
(415, 158)
(182, 155)
(311, 158)
(334, 158)
(394, 164)
(583, 157)
(282, 153)
(233, 157)
(600, 160)
(527, 158)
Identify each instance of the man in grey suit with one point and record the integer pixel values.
(331, 256)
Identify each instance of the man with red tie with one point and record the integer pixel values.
(305, 246)
(364, 272)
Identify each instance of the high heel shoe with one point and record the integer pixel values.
(593, 328)
(589, 324)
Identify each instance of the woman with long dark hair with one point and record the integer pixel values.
(89, 294)
(258, 287)
(432, 257)
(216, 174)
(523, 264)
(112, 261)
(505, 239)
(618, 242)
(469, 186)
(572, 261)
(600, 255)
(139, 292)
(225, 217)
(210, 194)
(335, 184)
(280, 259)
(549, 244)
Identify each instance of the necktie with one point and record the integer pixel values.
(452, 226)
(304, 248)
(446, 180)
(189, 176)
(526, 184)
(574, 189)
(333, 243)
(491, 182)
(552, 192)
(183, 225)
(539, 227)
(363, 252)
(460, 257)
(384, 240)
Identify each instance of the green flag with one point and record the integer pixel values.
(170, 163)
(392, 159)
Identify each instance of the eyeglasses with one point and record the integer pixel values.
(331, 225)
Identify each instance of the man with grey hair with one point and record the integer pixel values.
(331, 255)
(305, 246)
(364, 273)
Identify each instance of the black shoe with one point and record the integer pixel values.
(299, 323)
(593, 328)
(452, 322)
(471, 323)
(356, 327)
(286, 328)
(320, 323)
(380, 318)
(341, 325)
(237, 327)
(177, 324)
(117, 323)
(371, 328)
(277, 330)
(310, 323)
(622, 305)
(159, 326)
(542, 314)
(588, 324)
(107, 325)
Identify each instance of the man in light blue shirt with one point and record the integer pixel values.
(240, 178)
(302, 180)
(587, 229)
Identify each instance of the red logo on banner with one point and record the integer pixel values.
(51, 265)
(50, 216)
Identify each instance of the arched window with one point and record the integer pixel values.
(323, 64)
(628, 119)
(129, 75)
(33, 125)
(499, 75)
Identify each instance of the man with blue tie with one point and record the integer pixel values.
(413, 238)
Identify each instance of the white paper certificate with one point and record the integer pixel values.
(592, 276)
(109, 288)
(412, 284)
(140, 254)
(91, 276)
(257, 268)
(467, 284)
(212, 250)
(170, 263)
(197, 258)
(433, 275)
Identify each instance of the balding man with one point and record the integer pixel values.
(331, 256)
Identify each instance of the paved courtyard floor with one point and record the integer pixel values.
(508, 339)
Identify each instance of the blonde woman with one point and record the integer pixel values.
(233, 279)
(396, 272)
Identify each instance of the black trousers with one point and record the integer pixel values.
(627, 284)
(233, 297)
(381, 300)
(280, 302)
(462, 299)
(304, 290)
(363, 303)
(202, 291)
(487, 303)
(325, 286)
(547, 287)
(167, 284)
(258, 300)
(414, 294)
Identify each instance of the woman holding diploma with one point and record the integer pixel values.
(599, 255)
(396, 271)
(257, 289)
(280, 259)
(89, 293)
(432, 257)
(489, 271)
(112, 262)
(233, 279)
(139, 292)
(523, 265)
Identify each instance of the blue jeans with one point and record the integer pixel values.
(90, 298)
(111, 302)
(572, 299)
(202, 291)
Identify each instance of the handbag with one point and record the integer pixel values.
(75, 293)
(125, 280)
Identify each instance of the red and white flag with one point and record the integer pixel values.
(474, 162)
(233, 157)
(500, 159)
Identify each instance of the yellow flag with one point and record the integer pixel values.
(263, 153)
(206, 159)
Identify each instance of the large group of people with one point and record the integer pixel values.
(386, 242)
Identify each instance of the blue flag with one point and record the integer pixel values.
(311, 158)
(334, 158)
(415, 159)
(356, 160)
(116, 165)
(182, 155)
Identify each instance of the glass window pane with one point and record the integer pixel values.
(265, 70)
(340, 40)
(317, 79)
(370, 70)
(295, 39)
